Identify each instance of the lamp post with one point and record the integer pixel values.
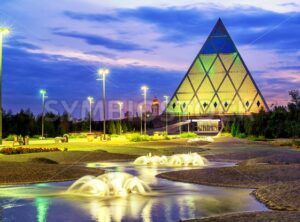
(3, 31)
(102, 73)
(166, 100)
(189, 121)
(120, 107)
(91, 101)
(43, 93)
(179, 119)
(141, 118)
(145, 89)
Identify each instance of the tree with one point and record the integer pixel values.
(111, 127)
(124, 126)
(118, 127)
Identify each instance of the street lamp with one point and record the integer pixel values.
(3, 31)
(166, 100)
(120, 107)
(145, 89)
(141, 118)
(179, 119)
(102, 73)
(43, 93)
(91, 101)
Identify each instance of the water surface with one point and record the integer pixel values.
(168, 201)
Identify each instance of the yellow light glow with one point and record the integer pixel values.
(103, 71)
(43, 92)
(90, 99)
(120, 103)
(144, 88)
(4, 30)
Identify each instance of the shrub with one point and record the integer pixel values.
(135, 137)
(242, 135)
(188, 135)
(36, 136)
(10, 137)
(22, 150)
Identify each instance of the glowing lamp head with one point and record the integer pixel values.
(43, 92)
(90, 99)
(4, 30)
(120, 103)
(144, 88)
(103, 72)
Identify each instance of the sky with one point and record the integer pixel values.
(59, 45)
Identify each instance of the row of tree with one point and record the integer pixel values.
(26, 124)
(280, 122)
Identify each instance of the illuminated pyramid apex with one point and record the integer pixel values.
(219, 41)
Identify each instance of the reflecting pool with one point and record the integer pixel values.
(167, 201)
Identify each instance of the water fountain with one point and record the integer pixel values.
(109, 184)
(176, 160)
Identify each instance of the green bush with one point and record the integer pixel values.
(188, 135)
(77, 136)
(242, 135)
(138, 137)
(36, 136)
(10, 137)
(257, 138)
(296, 143)
(21, 150)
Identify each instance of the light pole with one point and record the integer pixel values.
(102, 73)
(91, 101)
(141, 118)
(3, 31)
(179, 119)
(188, 115)
(43, 93)
(120, 107)
(145, 89)
(166, 100)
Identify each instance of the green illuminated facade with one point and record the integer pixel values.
(218, 81)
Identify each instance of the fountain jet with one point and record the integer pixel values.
(110, 184)
(176, 160)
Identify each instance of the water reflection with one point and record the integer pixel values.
(42, 206)
(169, 201)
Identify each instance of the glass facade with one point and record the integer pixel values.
(218, 82)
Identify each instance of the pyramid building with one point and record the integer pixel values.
(218, 82)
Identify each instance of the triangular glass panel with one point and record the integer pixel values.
(237, 72)
(236, 106)
(217, 73)
(228, 46)
(196, 74)
(207, 61)
(257, 105)
(218, 43)
(227, 59)
(185, 87)
(194, 107)
(219, 29)
(247, 91)
(208, 47)
(183, 97)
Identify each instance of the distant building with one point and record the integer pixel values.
(155, 107)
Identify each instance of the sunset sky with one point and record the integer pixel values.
(59, 45)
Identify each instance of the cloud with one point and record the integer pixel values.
(91, 17)
(247, 25)
(103, 41)
(66, 79)
(20, 42)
